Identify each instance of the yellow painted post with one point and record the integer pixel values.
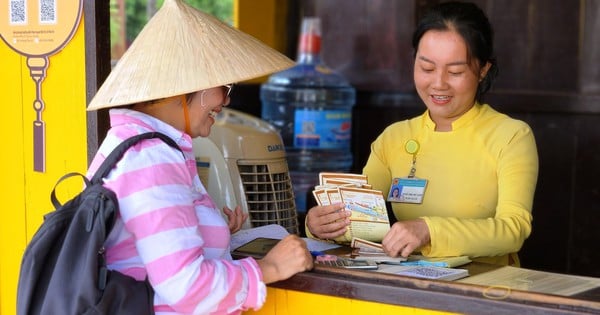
(289, 302)
(25, 192)
(263, 19)
(12, 216)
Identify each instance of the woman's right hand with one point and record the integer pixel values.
(328, 222)
(289, 257)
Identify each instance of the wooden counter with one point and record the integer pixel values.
(444, 296)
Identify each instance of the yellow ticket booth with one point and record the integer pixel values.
(49, 71)
(43, 125)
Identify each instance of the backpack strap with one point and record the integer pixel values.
(111, 160)
(53, 197)
(116, 154)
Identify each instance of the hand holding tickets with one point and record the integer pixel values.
(369, 219)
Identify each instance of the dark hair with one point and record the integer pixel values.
(472, 24)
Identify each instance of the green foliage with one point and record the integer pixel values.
(114, 25)
(136, 18)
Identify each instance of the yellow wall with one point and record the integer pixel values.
(288, 302)
(263, 19)
(25, 193)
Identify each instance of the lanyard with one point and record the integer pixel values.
(412, 147)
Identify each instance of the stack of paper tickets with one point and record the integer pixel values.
(367, 250)
(369, 218)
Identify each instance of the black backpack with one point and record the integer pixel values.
(63, 270)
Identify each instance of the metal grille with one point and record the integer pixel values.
(269, 194)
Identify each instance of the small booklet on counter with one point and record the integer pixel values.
(447, 262)
(426, 272)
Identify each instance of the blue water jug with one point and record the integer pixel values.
(311, 106)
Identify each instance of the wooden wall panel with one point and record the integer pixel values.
(368, 42)
(547, 247)
(590, 52)
(583, 246)
(535, 51)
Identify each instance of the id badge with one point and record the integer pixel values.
(407, 190)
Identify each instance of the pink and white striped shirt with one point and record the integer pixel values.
(169, 228)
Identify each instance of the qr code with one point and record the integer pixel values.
(18, 13)
(47, 11)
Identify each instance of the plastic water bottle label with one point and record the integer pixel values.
(322, 129)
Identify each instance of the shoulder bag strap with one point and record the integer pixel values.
(118, 152)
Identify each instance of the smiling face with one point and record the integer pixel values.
(192, 113)
(203, 107)
(444, 78)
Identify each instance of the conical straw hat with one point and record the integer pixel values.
(183, 50)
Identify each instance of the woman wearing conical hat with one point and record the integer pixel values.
(174, 78)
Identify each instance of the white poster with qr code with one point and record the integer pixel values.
(38, 29)
(21, 13)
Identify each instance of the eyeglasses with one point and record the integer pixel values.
(227, 90)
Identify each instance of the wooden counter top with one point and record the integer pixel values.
(448, 296)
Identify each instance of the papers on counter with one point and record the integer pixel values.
(535, 281)
(363, 249)
(367, 250)
(274, 231)
(447, 262)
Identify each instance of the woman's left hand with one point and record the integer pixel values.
(235, 218)
(404, 237)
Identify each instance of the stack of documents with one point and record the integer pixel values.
(415, 266)
(366, 250)
(363, 249)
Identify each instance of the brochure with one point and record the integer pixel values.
(342, 178)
